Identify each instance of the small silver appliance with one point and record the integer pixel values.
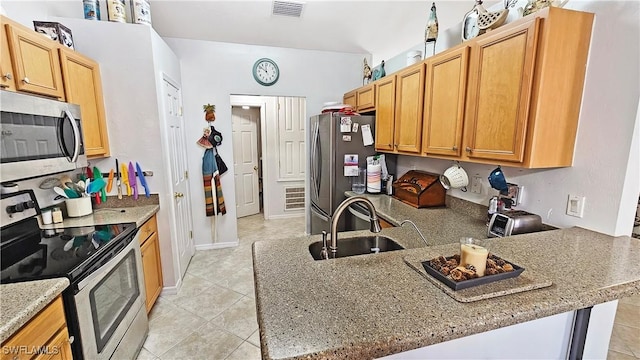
(513, 222)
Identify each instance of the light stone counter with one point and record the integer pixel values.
(19, 302)
(104, 216)
(370, 306)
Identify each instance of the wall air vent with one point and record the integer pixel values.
(287, 8)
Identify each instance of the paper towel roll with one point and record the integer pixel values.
(373, 178)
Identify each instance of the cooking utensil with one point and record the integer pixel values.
(96, 186)
(103, 192)
(60, 191)
(64, 179)
(132, 181)
(97, 175)
(74, 187)
(125, 176)
(455, 178)
(110, 181)
(87, 182)
(143, 181)
(118, 183)
(71, 194)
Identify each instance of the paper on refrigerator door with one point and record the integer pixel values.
(367, 137)
(351, 165)
(345, 124)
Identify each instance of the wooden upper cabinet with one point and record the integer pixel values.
(385, 90)
(409, 108)
(500, 92)
(444, 102)
(350, 99)
(365, 97)
(7, 77)
(82, 86)
(35, 61)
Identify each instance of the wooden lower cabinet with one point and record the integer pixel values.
(45, 336)
(151, 264)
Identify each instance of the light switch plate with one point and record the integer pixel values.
(575, 205)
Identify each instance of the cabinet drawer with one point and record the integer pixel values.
(148, 228)
(37, 332)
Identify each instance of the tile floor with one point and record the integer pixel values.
(214, 315)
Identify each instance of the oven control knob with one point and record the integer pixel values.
(21, 207)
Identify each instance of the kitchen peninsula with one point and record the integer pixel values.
(373, 306)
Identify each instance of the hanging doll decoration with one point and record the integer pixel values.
(212, 165)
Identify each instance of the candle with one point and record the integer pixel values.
(475, 255)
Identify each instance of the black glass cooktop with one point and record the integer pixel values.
(29, 253)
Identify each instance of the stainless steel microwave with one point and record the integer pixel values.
(38, 136)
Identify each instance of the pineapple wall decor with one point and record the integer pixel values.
(209, 112)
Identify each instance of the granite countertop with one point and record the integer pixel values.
(103, 216)
(19, 302)
(439, 225)
(375, 305)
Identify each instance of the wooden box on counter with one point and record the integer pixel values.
(420, 189)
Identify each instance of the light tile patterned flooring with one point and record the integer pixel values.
(214, 314)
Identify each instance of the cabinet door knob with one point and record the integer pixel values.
(71, 339)
(26, 80)
(7, 76)
(454, 148)
(468, 149)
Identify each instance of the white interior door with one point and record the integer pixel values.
(245, 160)
(181, 217)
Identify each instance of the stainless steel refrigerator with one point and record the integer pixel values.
(329, 143)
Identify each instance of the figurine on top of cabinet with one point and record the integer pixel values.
(366, 73)
(379, 73)
(431, 30)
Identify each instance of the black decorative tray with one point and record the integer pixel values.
(459, 285)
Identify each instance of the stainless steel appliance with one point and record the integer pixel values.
(329, 143)
(39, 136)
(104, 304)
(513, 222)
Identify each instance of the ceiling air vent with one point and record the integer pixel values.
(287, 8)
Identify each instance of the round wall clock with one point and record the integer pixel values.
(266, 72)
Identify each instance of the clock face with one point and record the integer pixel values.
(266, 72)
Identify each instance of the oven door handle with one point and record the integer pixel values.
(76, 136)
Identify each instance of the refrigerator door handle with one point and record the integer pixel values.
(312, 167)
(320, 214)
(315, 161)
(318, 159)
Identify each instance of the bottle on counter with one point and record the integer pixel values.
(56, 214)
(493, 208)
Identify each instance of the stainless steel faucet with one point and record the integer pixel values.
(415, 227)
(373, 218)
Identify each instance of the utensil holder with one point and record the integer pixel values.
(79, 206)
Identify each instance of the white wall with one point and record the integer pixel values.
(605, 166)
(131, 59)
(212, 71)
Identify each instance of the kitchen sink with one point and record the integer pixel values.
(360, 245)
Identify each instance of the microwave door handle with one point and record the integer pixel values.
(76, 135)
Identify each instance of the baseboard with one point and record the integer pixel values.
(172, 290)
(217, 245)
(286, 216)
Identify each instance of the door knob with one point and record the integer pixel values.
(255, 168)
(26, 80)
(178, 195)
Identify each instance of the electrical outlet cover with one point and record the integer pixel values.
(575, 205)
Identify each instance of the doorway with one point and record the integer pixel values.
(180, 208)
(247, 159)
